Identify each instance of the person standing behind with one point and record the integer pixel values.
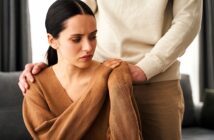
(150, 35)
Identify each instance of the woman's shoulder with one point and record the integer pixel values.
(42, 81)
(43, 78)
(45, 73)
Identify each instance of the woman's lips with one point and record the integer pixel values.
(86, 57)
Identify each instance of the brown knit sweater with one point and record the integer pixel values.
(106, 112)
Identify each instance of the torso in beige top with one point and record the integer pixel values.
(149, 33)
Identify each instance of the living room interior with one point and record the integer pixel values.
(23, 40)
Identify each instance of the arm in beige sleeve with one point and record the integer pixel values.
(42, 124)
(184, 27)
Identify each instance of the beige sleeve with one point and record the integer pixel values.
(184, 27)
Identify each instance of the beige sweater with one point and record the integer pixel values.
(106, 111)
(149, 33)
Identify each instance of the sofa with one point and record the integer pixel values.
(196, 122)
(11, 123)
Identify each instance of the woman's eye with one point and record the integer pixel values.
(76, 39)
(93, 37)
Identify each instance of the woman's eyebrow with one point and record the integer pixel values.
(93, 32)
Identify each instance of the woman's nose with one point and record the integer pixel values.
(87, 46)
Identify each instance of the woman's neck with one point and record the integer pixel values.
(68, 74)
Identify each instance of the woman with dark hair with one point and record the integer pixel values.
(77, 97)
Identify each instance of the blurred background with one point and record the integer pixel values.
(23, 40)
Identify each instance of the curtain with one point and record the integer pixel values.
(206, 50)
(15, 44)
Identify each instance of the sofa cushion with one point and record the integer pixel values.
(11, 123)
(207, 113)
(197, 133)
(189, 112)
(10, 94)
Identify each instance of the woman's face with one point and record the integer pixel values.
(77, 42)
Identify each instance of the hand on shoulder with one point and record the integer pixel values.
(27, 74)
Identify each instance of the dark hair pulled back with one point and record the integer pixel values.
(57, 14)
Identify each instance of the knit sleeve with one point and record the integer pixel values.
(43, 124)
(184, 27)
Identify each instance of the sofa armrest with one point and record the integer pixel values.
(11, 122)
(189, 118)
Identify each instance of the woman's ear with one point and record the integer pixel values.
(52, 41)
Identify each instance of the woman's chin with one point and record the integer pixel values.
(85, 65)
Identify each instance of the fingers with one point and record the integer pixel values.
(23, 81)
(22, 88)
(112, 63)
(38, 67)
(138, 75)
(23, 85)
(32, 69)
(26, 74)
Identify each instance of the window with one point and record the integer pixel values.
(38, 10)
(190, 65)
